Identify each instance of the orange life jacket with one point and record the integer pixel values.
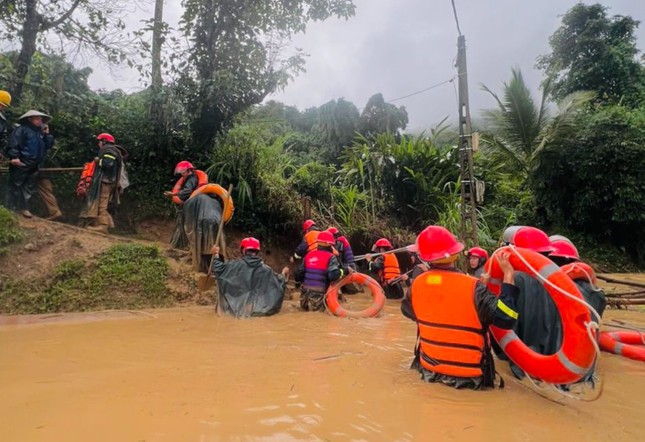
(86, 179)
(311, 237)
(202, 180)
(451, 338)
(391, 268)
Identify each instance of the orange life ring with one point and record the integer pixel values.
(577, 353)
(630, 344)
(216, 189)
(202, 180)
(580, 270)
(378, 297)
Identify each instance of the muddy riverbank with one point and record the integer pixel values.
(186, 374)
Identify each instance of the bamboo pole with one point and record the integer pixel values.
(50, 169)
(621, 281)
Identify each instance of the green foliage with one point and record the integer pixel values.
(314, 180)
(595, 182)
(591, 51)
(381, 117)
(9, 230)
(125, 276)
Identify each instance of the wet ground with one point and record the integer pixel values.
(188, 375)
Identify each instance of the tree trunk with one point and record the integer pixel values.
(157, 40)
(30, 29)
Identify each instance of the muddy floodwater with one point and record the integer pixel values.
(188, 375)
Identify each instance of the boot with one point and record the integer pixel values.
(55, 216)
(100, 228)
(27, 214)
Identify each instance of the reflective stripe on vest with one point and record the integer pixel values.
(316, 264)
(451, 337)
(391, 268)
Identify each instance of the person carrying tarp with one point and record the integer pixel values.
(321, 268)
(108, 182)
(453, 312)
(28, 146)
(247, 286)
(202, 214)
(189, 180)
(386, 268)
(538, 325)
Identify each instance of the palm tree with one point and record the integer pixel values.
(518, 130)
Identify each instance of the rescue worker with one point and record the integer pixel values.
(344, 249)
(538, 325)
(321, 268)
(565, 255)
(453, 312)
(248, 287)
(189, 180)
(310, 233)
(27, 149)
(44, 185)
(106, 185)
(386, 269)
(477, 258)
(5, 102)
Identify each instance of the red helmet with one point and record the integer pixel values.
(532, 238)
(183, 166)
(478, 252)
(105, 137)
(249, 243)
(436, 243)
(563, 248)
(325, 238)
(334, 231)
(383, 242)
(308, 224)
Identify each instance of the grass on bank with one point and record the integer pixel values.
(9, 230)
(125, 276)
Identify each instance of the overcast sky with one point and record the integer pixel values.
(398, 47)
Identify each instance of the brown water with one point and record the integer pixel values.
(188, 375)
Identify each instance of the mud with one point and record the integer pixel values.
(186, 374)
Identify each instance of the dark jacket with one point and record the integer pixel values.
(188, 187)
(3, 134)
(29, 144)
(248, 287)
(110, 161)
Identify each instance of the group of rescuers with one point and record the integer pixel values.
(26, 148)
(453, 310)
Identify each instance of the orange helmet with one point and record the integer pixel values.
(334, 231)
(249, 243)
(436, 243)
(105, 137)
(183, 166)
(325, 238)
(383, 242)
(532, 238)
(563, 248)
(308, 224)
(478, 252)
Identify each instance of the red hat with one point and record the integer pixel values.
(383, 242)
(325, 238)
(436, 243)
(308, 224)
(334, 231)
(478, 252)
(249, 243)
(105, 137)
(563, 248)
(183, 166)
(532, 238)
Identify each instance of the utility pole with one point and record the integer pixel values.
(468, 185)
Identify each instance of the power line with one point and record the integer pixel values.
(454, 9)
(423, 90)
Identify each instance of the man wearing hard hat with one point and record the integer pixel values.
(28, 146)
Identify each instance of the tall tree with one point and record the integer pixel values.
(518, 130)
(336, 126)
(381, 117)
(591, 51)
(157, 41)
(237, 54)
(90, 24)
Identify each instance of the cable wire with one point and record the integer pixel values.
(423, 90)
